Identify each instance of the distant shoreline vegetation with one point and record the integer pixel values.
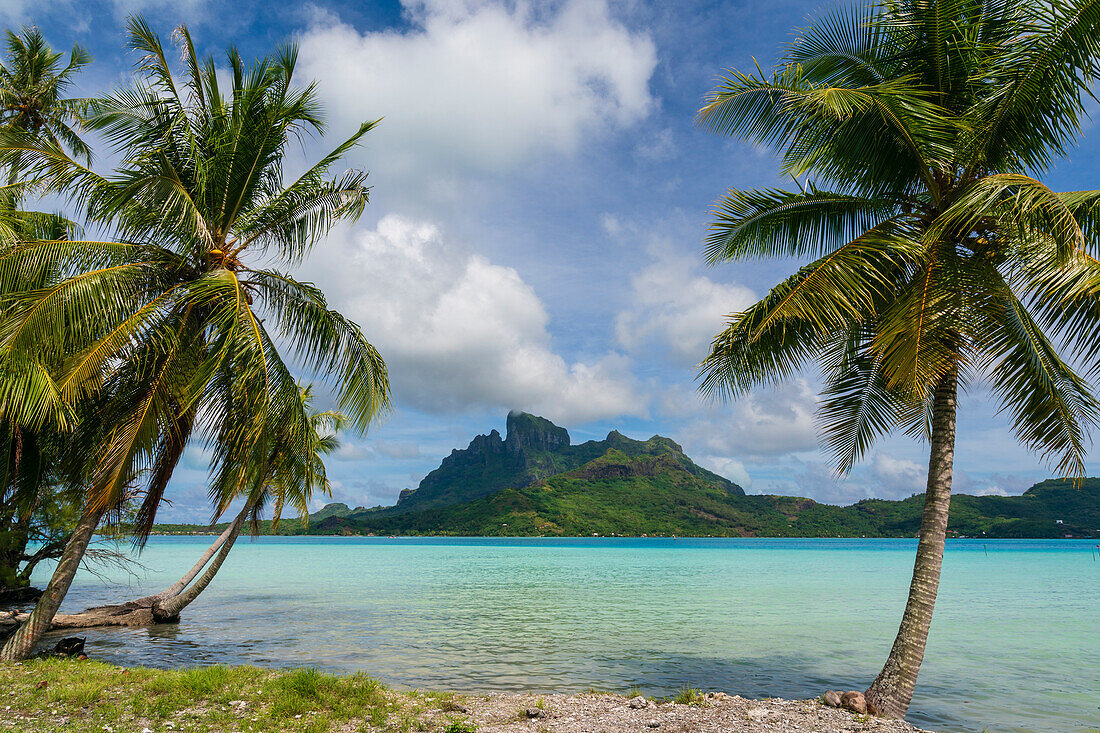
(536, 483)
(1052, 509)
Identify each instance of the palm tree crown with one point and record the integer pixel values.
(33, 87)
(934, 248)
(937, 256)
(176, 318)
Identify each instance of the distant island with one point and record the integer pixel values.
(535, 482)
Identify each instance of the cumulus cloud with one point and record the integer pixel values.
(731, 468)
(991, 491)
(460, 332)
(675, 307)
(351, 451)
(481, 86)
(766, 424)
(883, 476)
(896, 477)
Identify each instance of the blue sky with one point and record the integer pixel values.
(540, 196)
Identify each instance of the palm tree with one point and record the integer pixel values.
(294, 473)
(176, 319)
(33, 101)
(33, 87)
(937, 258)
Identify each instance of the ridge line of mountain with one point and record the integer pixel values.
(534, 481)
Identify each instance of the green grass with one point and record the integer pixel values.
(461, 725)
(689, 696)
(55, 694)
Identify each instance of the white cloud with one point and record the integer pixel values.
(991, 491)
(896, 477)
(883, 476)
(349, 451)
(673, 305)
(481, 86)
(763, 425)
(731, 468)
(459, 332)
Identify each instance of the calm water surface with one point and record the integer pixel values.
(1015, 645)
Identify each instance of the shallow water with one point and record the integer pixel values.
(1015, 644)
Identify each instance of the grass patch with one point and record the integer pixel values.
(461, 725)
(689, 696)
(60, 694)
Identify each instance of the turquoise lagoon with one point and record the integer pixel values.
(1015, 644)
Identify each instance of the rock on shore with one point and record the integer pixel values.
(718, 712)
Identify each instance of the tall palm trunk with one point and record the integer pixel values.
(167, 608)
(23, 642)
(892, 690)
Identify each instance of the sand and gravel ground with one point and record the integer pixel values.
(599, 713)
(48, 695)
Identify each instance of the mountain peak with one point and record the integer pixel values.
(530, 432)
(536, 449)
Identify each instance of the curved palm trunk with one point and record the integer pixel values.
(23, 642)
(183, 582)
(167, 608)
(162, 607)
(892, 690)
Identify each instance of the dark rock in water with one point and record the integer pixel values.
(13, 596)
(832, 698)
(854, 701)
(71, 646)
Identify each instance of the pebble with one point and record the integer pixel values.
(638, 702)
(654, 724)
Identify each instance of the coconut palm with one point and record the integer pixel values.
(177, 319)
(33, 89)
(938, 259)
(39, 475)
(294, 473)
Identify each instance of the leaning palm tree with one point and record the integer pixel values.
(39, 471)
(293, 473)
(937, 258)
(176, 319)
(33, 101)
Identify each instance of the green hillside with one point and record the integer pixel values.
(535, 449)
(535, 482)
(615, 494)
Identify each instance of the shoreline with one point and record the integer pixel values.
(967, 538)
(50, 694)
